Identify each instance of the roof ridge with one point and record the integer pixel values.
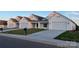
(38, 15)
(13, 19)
(27, 18)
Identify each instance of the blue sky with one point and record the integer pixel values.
(74, 15)
(5, 15)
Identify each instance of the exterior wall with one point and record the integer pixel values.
(68, 25)
(24, 23)
(30, 25)
(3, 26)
(72, 26)
(11, 24)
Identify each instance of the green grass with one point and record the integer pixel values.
(69, 36)
(21, 31)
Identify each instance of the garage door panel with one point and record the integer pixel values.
(59, 25)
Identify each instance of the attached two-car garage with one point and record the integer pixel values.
(60, 22)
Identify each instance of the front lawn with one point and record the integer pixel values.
(69, 36)
(21, 31)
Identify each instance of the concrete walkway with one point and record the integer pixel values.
(9, 29)
(46, 37)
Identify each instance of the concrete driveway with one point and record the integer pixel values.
(46, 35)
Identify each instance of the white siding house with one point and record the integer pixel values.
(39, 22)
(60, 22)
(12, 23)
(25, 23)
(34, 21)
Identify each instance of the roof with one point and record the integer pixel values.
(58, 14)
(54, 14)
(3, 22)
(28, 18)
(20, 17)
(13, 19)
(40, 18)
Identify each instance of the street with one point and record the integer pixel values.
(8, 42)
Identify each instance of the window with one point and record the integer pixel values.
(45, 25)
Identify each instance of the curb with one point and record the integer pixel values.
(56, 42)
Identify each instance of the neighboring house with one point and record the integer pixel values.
(34, 21)
(59, 22)
(3, 24)
(12, 23)
(25, 22)
(39, 22)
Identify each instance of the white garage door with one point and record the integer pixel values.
(59, 25)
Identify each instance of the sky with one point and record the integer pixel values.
(74, 15)
(5, 15)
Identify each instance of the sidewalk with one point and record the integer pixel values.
(52, 41)
(8, 30)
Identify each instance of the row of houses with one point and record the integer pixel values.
(54, 21)
(34, 21)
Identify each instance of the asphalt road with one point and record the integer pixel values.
(7, 42)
